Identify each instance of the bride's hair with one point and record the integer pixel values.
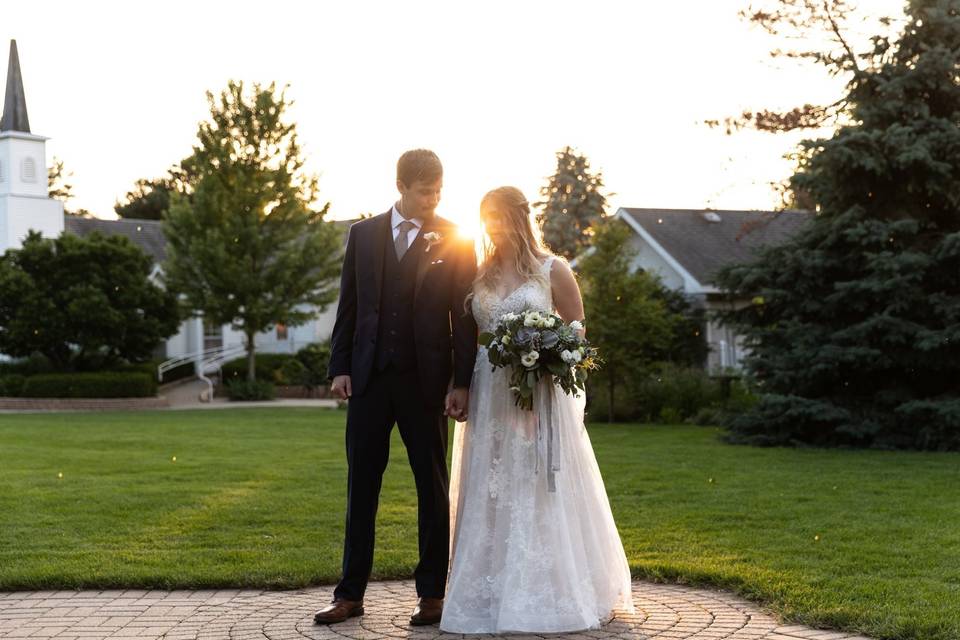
(512, 211)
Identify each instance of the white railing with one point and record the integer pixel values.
(206, 361)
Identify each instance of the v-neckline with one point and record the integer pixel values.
(515, 289)
(519, 286)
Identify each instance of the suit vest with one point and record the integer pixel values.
(395, 342)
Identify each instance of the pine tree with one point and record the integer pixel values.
(855, 322)
(573, 201)
(245, 245)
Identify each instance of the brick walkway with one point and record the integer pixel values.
(663, 611)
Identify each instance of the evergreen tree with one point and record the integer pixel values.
(245, 244)
(573, 201)
(855, 322)
(627, 316)
(83, 302)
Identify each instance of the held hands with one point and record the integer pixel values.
(341, 387)
(455, 404)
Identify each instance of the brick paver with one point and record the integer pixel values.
(665, 612)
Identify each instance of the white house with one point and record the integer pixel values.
(25, 205)
(687, 246)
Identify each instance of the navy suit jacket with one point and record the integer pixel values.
(445, 334)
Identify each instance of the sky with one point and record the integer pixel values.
(495, 88)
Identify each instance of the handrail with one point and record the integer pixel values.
(210, 361)
(173, 363)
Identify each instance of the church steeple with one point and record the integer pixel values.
(14, 102)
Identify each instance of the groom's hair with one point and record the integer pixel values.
(419, 164)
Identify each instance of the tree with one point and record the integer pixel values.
(627, 317)
(57, 181)
(689, 345)
(245, 245)
(573, 201)
(82, 302)
(148, 200)
(854, 325)
(59, 187)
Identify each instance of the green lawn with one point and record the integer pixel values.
(255, 498)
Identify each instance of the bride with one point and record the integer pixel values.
(525, 558)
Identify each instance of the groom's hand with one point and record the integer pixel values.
(341, 387)
(456, 403)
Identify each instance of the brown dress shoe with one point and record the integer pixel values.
(338, 611)
(428, 611)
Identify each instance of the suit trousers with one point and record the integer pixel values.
(394, 397)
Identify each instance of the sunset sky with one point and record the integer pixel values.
(495, 88)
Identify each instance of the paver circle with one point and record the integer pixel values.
(663, 611)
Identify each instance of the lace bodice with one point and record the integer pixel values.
(487, 306)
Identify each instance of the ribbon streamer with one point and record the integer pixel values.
(545, 422)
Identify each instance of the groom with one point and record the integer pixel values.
(403, 350)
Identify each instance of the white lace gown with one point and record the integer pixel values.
(524, 559)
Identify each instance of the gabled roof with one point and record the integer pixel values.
(14, 102)
(701, 246)
(146, 234)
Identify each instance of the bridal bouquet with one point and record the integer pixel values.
(536, 344)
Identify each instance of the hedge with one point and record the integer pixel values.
(90, 385)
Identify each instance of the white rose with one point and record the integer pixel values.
(550, 322)
(576, 325)
(531, 320)
(566, 356)
(529, 359)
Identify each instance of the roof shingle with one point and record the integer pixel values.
(146, 234)
(701, 246)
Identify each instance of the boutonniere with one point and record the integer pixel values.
(432, 238)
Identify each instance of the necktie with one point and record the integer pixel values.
(402, 242)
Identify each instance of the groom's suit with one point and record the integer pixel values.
(402, 335)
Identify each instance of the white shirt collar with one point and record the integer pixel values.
(396, 219)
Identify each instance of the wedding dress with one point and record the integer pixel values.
(525, 558)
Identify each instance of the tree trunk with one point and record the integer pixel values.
(251, 359)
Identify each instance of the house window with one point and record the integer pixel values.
(212, 335)
(29, 170)
(281, 331)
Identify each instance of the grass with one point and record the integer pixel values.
(255, 498)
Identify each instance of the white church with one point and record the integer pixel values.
(25, 204)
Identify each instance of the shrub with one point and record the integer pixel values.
(673, 395)
(90, 385)
(29, 366)
(11, 385)
(242, 389)
(309, 366)
(268, 368)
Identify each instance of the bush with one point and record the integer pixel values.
(598, 401)
(269, 368)
(309, 366)
(90, 385)
(36, 363)
(672, 395)
(11, 385)
(242, 389)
